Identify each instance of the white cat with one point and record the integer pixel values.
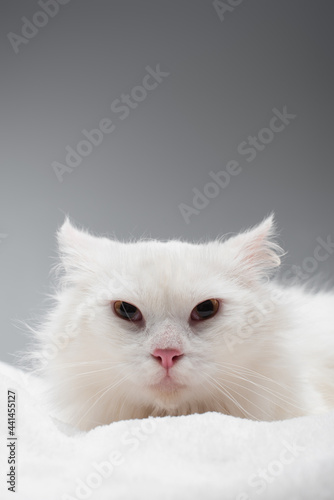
(171, 328)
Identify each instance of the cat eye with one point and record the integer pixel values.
(127, 311)
(205, 310)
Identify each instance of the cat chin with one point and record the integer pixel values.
(166, 404)
(167, 394)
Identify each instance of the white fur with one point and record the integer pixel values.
(267, 354)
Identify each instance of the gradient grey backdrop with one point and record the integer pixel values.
(225, 78)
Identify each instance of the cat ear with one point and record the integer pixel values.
(254, 252)
(76, 248)
(71, 237)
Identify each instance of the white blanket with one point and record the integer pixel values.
(204, 457)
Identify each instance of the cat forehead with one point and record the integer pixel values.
(172, 253)
(167, 266)
(163, 273)
(247, 257)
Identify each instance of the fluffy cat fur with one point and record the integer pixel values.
(267, 354)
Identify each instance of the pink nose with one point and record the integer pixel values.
(167, 357)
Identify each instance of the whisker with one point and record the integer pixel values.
(262, 395)
(246, 370)
(105, 391)
(219, 403)
(225, 391)
(284, 398)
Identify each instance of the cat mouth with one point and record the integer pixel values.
(167, 384)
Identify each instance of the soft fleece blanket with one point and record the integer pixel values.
(204, 457)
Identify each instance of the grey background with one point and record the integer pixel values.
(225, 78)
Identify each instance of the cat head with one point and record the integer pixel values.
(148, 322)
